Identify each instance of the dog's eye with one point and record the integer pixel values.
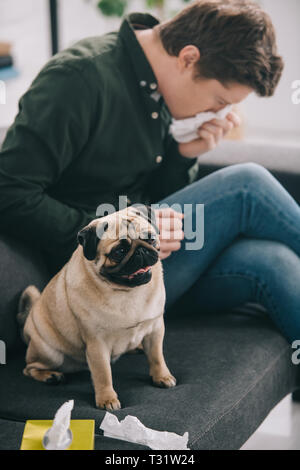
(152, 241)
(119, 252)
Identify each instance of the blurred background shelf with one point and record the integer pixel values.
(27, 25)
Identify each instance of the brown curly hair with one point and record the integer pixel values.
(236, 40)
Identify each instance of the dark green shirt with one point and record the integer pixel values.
(87, 131)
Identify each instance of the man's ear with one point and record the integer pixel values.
(188, 56)
(89, 239)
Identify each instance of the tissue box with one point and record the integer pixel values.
(83, 434)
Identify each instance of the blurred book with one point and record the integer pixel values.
(8, 72)
(6, 61)
(5, 48)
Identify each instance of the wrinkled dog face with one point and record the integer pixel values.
(123, 246)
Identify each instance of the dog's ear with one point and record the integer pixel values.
(89, 238)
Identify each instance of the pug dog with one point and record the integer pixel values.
(107, 300)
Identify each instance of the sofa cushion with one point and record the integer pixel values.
(10, 433)
(282, 160)
(232, 369)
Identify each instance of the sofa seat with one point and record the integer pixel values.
(232, 369)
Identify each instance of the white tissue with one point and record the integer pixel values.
(57, 434)
(185, 130)
(132, 430)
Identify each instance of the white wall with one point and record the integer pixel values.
(277, 118)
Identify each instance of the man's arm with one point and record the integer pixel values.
(181, 163)
(50, 130)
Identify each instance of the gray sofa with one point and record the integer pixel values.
(232, 369)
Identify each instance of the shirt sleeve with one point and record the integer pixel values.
(175, 172)
(50, 130)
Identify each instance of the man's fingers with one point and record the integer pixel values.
(170, 246)
(208, 139)
(164, 254)
(217, 131)
(225, 124)
(170, 224)
(169, 220)
(231, 117)
(170, 235)
(168, 212)
(234, 118)
(167, 248)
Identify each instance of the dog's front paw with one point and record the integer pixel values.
(166, 381)
(108, 401)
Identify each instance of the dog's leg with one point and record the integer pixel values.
(153, 347)
(98, 359)
(39, 367)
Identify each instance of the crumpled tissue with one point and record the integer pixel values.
(132, 430)
(185, 130)
(59, 436)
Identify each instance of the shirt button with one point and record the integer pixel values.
(143, 83)
(153, 86)
(159, 159)
(154, 115)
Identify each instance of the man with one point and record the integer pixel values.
(88, 129)
(94, 125)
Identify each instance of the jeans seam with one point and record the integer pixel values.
(237, 403)
(284, 218)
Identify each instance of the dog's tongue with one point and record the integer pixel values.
(139, 271)
(142, 270)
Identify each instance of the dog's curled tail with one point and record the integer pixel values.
(28, 298)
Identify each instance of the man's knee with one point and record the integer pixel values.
(249, 174)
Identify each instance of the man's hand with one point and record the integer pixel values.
(169, 223)
(210, 134)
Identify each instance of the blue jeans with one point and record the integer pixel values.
(251, 246)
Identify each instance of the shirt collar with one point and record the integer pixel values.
(144, 72)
